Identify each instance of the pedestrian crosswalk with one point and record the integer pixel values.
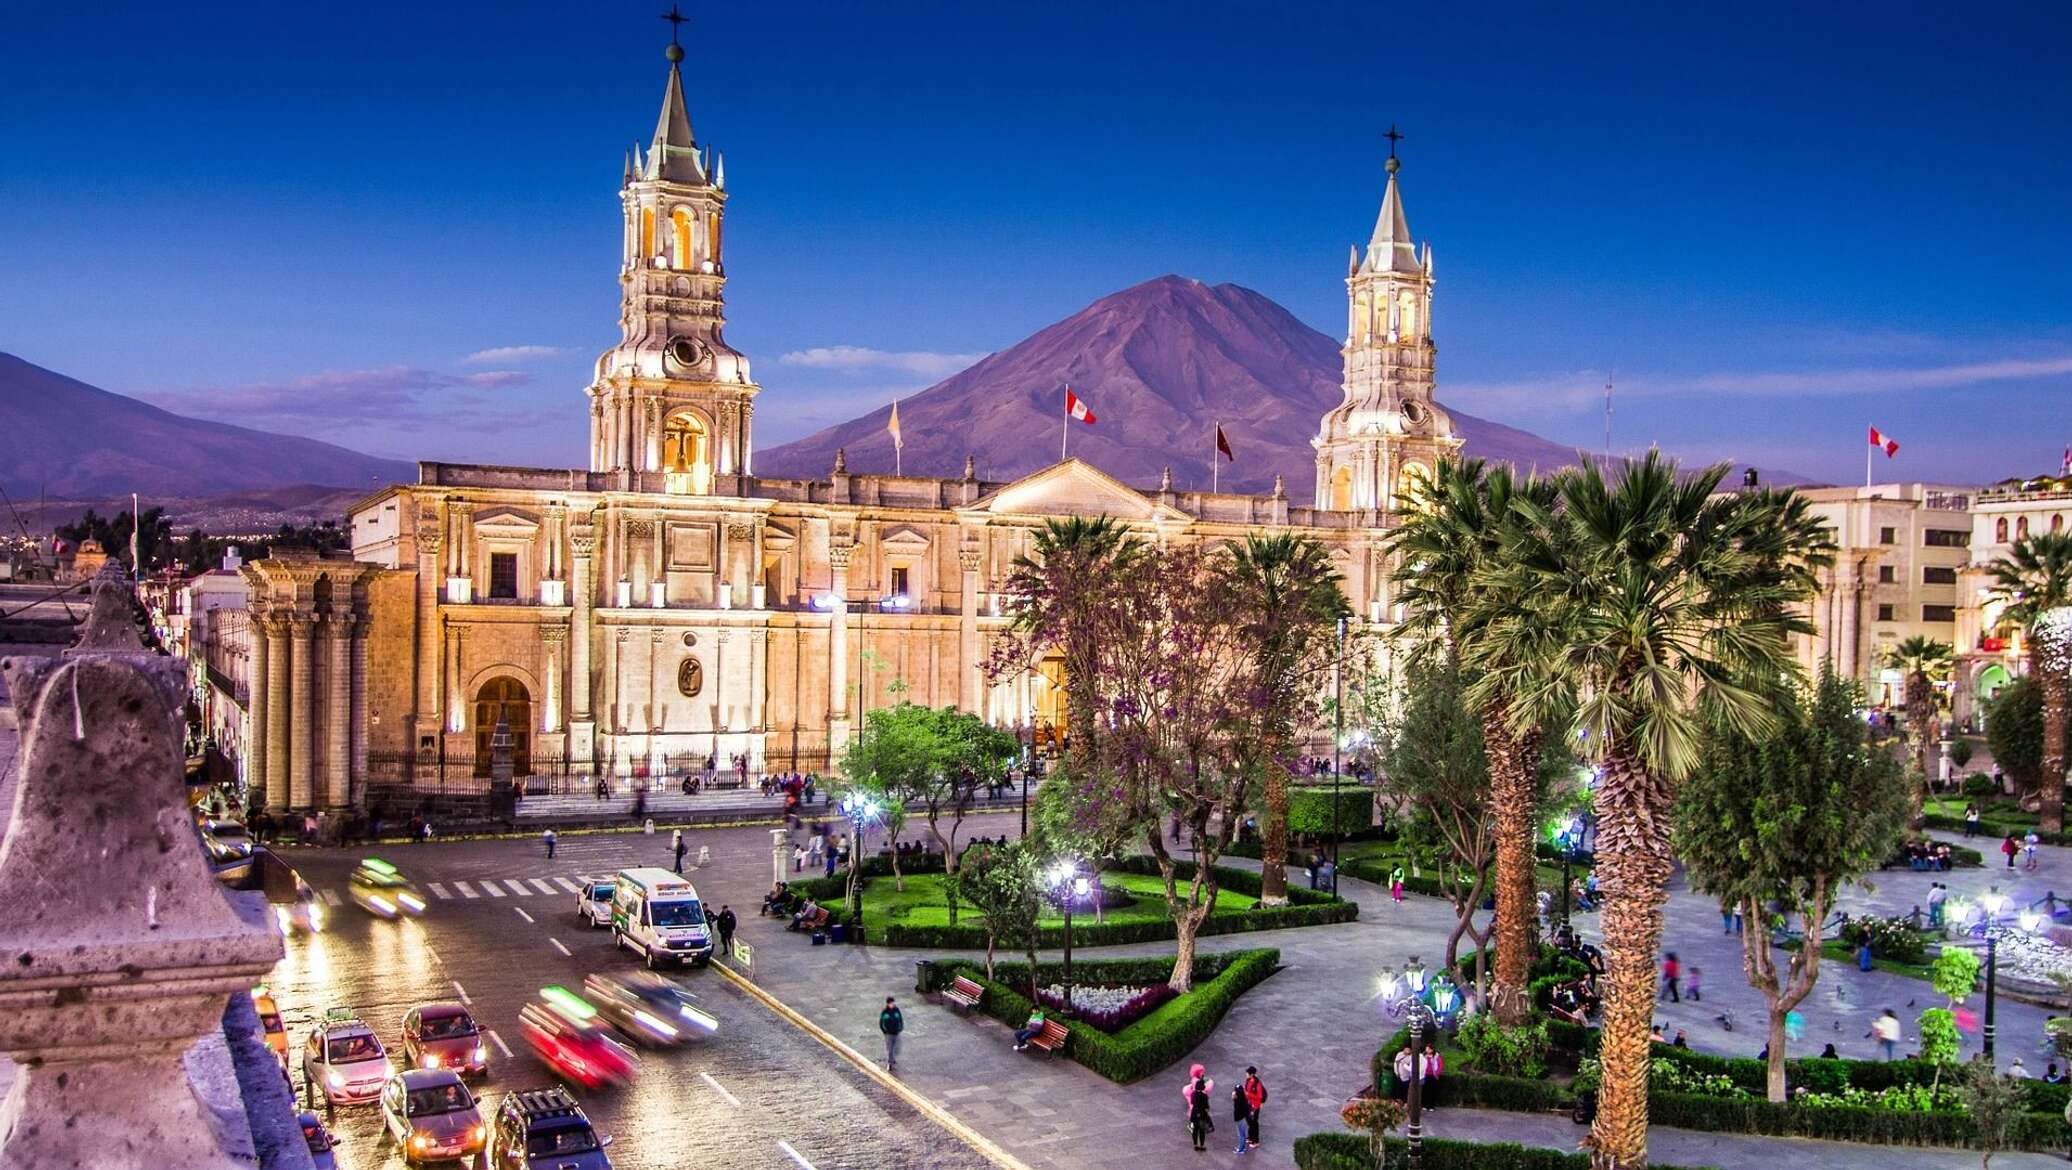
(459, 890)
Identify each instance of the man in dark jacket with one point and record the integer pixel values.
(891, 1023)
(726, 923)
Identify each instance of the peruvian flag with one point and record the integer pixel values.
(1880, 439)
(1076, 407)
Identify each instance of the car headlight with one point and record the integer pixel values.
(381, 904)
(478, 1133)
(431, 1060)
(335, 1079)
(659, 1027)
(420, 1140)
(412, 902)
(481, 1054)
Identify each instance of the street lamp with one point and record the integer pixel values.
(861, 811)
(1567, 837)
(1993, 902)
(1072, 886)
(1413, 1130)
(1337, 745)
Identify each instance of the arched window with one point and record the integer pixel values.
(712, 236)
(2021, 527)
(2057, 521)
(1410, 484)
(1363, 318)
(681, 221)
(647, 232)
(686, 454)
(503, 700)
(1409, 317)
(1342, 490)
(2000, 531)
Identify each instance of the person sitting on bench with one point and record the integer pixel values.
(775, 901)
(804, 914)
(1033, 1027)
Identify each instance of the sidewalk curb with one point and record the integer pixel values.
(927, 1107)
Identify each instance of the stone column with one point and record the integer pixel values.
(551, 640)
(279, 663)
(758, 679)
(1849, 588)
(838, 649)
(780, 856)
(967, 630)
(338, 712)
(302, 707)
(111, 977)
(430, 581)
(255, 716)
(582, 728)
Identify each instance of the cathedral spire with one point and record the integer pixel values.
(674, 156)
(1392, 249)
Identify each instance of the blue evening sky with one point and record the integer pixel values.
(395, 226)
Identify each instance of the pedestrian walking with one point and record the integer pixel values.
(798, 859)
(831, 855)
(1971, 810)
(680, 849)
(1196, 1094)
(1937, 895)
(891, 1023)
(1694, 984)
(1241, 1113)
(548, 837)
(2029, 843)
(1671, 972)
(1726, 918)
(1255, 1092)
(726, 922)
(1886, 1029)
(2008, 849)
(1396, 884)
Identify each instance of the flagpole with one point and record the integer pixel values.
(1065, 434)
(1867, 465)
(898, 444)
(1215, 464)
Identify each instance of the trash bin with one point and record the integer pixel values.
(837, 933)
(924, 970)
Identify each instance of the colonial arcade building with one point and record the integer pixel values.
(666, 603)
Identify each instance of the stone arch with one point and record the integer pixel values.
(687, 443)
(683, 226)
(503, 698)
(1342, 489)
(2000, 531)
(2021, 527)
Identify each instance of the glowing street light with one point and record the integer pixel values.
(1065, 878)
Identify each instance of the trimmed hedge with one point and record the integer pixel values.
(1309, 809)
(1305, 908)
(1991, 828)
(1170, 1032)
(1350, 1151)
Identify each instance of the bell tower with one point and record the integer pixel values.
(1389, 430)
(672, 398)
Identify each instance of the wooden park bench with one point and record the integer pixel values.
(964, 993)
(812, 922)
(1051, 1039)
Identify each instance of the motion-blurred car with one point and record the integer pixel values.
(318, 1139)
(545, 1130)
(432, 1115)
(650, 1008)
(344, 1059)
(229, 849)
(569, 1036)
(380, 888)
(271, 1029)
(594, 902)
(444, 1035)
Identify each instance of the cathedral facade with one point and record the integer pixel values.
(666, 604)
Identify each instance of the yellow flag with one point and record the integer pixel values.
(892, 428)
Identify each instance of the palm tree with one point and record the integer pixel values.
(1923, 662)
(1053, 593)
(1673, 606)
(2034, 579)
(1289, 601)
(1451, 538)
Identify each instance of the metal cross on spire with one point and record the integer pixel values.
(675, 19)
(1394, 136)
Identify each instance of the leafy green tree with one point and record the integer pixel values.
(1290, 601)
(1439, 770)
(1939, 1040)
(2033, 584)
(1652, 609)
(1955, 973)
(1053, 600)
(2014, 730)
(1453, 542)
(1922, 663)
(1001, 883)
(894, 746)
(1993, 1101)
(1789, 815)
(1076, 814)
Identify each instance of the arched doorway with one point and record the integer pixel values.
(503, 698)
(1050, 712)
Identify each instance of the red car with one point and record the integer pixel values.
(569, 1035)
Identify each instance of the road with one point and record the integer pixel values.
(501, 924)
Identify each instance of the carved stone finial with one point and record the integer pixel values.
(111, 626)
(1165, 479)
(1280, 489)
(841, 461)
(111, 980)
(970, 467)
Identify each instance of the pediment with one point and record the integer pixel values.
(1073, 488)
(506, 522)
(904, 538)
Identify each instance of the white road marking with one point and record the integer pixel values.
(794, 1154)
(559, 947)
(720, 1089)
(518, 887)
(492, 889)
(462, 992)
(466, 890)
(522, 913)
(543, 886)
(330, 898)
(438, 891)
(500, 1045)
(570, 886)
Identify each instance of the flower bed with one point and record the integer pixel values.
(1166, 1034)
(1346, 1151)
(1111, 1009)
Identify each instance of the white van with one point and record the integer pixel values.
(657, 913)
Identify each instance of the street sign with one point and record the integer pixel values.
(744, 954)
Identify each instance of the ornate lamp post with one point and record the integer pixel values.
(861, 811)
(1421, 1023)
(1993, 902)
(1337, 745)
(1071, 886)
(1567, 836)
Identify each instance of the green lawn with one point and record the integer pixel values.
(1997, 811)
(922, 903)
(1391, 852)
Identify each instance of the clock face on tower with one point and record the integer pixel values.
(686, 351)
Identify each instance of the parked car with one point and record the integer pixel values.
(594, 902)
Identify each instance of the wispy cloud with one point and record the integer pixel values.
(849, 358)
(510, 354)
(389, 394)
(1584, 389)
